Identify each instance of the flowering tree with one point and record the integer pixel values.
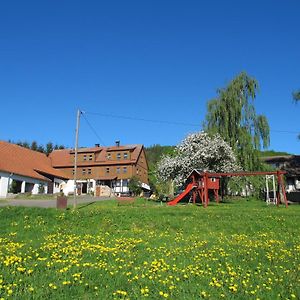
(197, 151)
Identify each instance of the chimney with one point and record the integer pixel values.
(118, 143)
(97, 145)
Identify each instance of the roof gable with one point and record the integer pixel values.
(63, 158)
(22, 161)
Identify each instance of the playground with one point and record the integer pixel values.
(199, 184)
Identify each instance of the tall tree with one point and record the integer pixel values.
(296, 96)
(232, 115)
(34, 145)
(41, 149)
(49, 148)
(24, 144)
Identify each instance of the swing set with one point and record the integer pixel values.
(200, 183)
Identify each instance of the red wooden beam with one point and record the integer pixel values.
(243, 173)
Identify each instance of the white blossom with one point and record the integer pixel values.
(197, 151)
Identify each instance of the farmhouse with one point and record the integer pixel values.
(102, 167)
(290, 164)
(26, 171)
(100, 170)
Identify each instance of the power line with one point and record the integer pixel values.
(285, 131)
(169, 122)
(92, 128)
(142, 119)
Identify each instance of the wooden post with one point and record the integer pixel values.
(283, 190)
(205, 189)
(75, 157)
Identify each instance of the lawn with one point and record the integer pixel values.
(236, 250)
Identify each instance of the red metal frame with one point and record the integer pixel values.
(203, 184)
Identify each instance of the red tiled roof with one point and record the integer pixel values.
(19, 160)
(62, 158)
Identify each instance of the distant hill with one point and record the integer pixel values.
(154, 154)
(273, 153)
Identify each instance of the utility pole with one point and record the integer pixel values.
(75, 158)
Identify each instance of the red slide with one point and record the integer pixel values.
(182, 195)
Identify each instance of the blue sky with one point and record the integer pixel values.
(157, 60)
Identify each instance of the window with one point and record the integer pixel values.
(91, 157)
(73, 171)
(89, 171)
(137, 171)
(107, 170)
(125, 155)
(83, 171)
(118, 155)
(118, 170)
(84, 157)
(124, 169)
(125, 182)
(108, 156)
(56, 184)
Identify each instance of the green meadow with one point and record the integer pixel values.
(240, 249)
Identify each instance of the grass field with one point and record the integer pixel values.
(235, 250)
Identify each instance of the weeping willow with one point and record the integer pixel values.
(232, 115)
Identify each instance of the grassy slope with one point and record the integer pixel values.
(235, 250)
(273, 153)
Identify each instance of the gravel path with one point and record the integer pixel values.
(50, 203)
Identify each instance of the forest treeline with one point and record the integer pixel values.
(46, 149)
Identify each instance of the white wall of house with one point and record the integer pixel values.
(4, 182)
(92, 185)
(297, 184)
(26, 183)
(121, 186)
(68, 187)
(58, 185)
